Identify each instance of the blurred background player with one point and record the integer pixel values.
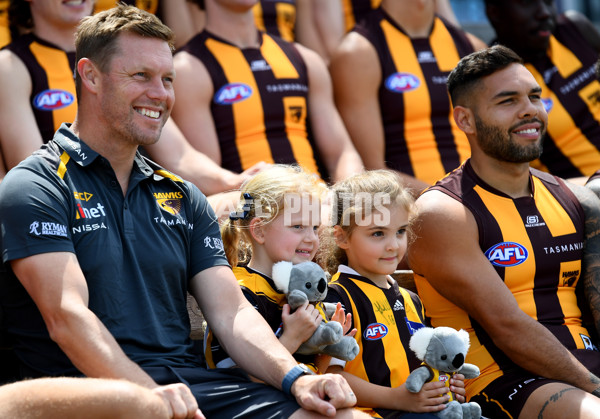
(560, 50)
(176, 14)
(37, 94)
(389, 78)
(37, 89)
(244, 96)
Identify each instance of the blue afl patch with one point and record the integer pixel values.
(375, 331)
(413, 326)
(52, 99)
(402, 82)
(548, 104)
(507, 254)
(232, 93)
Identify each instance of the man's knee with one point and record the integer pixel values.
(559, 400)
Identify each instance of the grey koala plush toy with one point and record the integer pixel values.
(307, 281)
(443, 351)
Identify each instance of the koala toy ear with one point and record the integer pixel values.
(281, 275)
(464, 335)
(420, 340)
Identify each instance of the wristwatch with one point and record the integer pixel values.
(292, 375)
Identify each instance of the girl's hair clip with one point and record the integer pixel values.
(246, 207)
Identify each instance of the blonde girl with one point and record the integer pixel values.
(362, 247)
(276, 220)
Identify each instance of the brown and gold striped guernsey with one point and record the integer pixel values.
(52, 99)
(535, 244)
(150, 6)
(276, 17)
(259, 107)
(571, 96)
(421, 137)
(385, 320)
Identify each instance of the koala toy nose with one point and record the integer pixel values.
(458, 360)
(322, 285)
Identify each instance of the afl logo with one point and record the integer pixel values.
(375, 331)
(232, 93)
(50, 100)
(507, 254)
(548, 104)
(402, 82)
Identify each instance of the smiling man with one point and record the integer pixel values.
(508, 243)
(560, 50)
(101, 247)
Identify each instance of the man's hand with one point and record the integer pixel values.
(180, 401)
(323, 393)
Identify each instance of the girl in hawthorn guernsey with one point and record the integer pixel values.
(361, 249)
(276, 220)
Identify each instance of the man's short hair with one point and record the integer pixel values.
(475, 66)
(96, 37)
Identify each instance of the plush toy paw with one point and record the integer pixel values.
(330, 332)
(453, 410)
(471, 410)
(346, 349)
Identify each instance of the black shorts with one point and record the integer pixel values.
(228, 392)
(506, 395)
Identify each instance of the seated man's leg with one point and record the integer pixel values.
(518, 394)
(228, 392)
(558, 401)
(62, 397)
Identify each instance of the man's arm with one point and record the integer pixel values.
(65, 397)
(590, 270)
(251, 343)
(328, 20)
(191, 113)
(56, 284)
(19, 133)
(176, 154)
(331, 137)
(176, 15)
(445, 230)
(356, 87)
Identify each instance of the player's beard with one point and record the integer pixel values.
(499, 143)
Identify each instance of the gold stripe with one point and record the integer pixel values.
(62, 167)
(168, 175)
(590, 94)
(447, 56)
(55, 64)
(567, 136)
(248, 115)
(443, 46)
(356, 366)
(258, 16)
(150, 6)
(565, 61)
(393, 353)
(286, 19)
(556, 217)
(295, 128)
(422, 148)
(280, 64)
(511, 225)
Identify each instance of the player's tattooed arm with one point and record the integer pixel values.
(590, 272)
